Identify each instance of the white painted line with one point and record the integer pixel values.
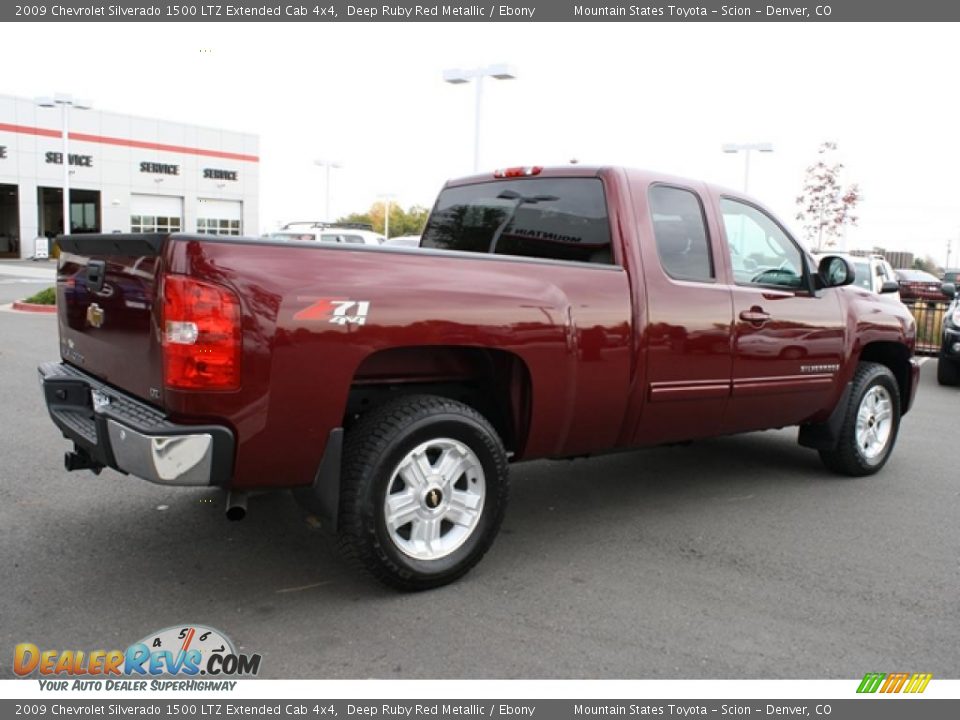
(40, 273)
(922, 361)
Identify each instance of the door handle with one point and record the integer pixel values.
(755, 315)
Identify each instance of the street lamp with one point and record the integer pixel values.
(746, 149)
(327, 164)
(66, 102)
(456, 76)
(386, 197)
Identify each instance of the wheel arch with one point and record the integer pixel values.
(496, 383)
(896, 357)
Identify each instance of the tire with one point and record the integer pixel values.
(948, 371)
(454, 514)
(874, 399)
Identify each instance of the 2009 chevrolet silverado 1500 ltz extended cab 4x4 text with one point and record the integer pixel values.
(548, 313)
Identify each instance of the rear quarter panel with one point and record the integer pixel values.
(568, 323)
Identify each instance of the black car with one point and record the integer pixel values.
(948, 365)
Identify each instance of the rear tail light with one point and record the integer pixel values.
(201, 335)
(511, 172)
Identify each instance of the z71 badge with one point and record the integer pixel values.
(338, 312)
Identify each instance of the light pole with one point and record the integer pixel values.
(386, 197)
(746, 149)
(327, 164)
(66, 102)
(456, 76)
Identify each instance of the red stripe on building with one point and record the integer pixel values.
(122, 142)
(24, 130)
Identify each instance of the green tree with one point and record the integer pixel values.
(402, 222)
(927, 264)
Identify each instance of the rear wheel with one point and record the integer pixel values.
(870, 424)
(424, 491)
(948, 370)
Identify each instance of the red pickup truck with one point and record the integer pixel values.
(548, 313)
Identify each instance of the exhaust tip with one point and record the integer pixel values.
(236, 506)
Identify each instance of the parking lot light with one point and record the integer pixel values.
(66, 103)
(457, 76)
(746, 149)
(327, 164)
(386, 197)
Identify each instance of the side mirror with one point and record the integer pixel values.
(889, 286)
(949, 289)
(835, 271)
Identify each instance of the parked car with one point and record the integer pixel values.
(548, 313)
(918, 285)
(404, 241)
(872, 272)
(315, 231)
(948, 362)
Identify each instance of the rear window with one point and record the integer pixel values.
(554, 218)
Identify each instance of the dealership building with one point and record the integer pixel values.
(127, 174)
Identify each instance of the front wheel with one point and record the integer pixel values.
(424, 491)
(948, 370)
(870, 423)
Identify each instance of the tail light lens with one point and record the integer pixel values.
(201, 335)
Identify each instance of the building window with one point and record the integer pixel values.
(216, 226)
(154, 223)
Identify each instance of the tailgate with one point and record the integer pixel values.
(107, 299)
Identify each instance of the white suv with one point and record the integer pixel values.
(872, 272)
(315, 231)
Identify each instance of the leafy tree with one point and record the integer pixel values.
(402, 222)
(927, 264)
(826, 206)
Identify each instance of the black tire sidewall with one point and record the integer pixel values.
(484, 445)
(948, 370)
(879, 376)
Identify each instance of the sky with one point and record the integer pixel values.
(663, 96)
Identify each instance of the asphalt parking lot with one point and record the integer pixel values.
(733, 558)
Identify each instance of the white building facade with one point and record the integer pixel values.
(127, 174)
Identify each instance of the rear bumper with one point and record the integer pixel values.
(118, 431)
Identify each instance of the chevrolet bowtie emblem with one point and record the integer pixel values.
(94, 315)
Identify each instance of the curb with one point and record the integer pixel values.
(33, 308)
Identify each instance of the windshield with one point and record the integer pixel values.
(862, 275)
(291, 237)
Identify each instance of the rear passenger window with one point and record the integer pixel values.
(681, 234)
(554, 218)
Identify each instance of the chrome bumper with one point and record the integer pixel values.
(115, 430)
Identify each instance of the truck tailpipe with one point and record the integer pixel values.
(236, 505)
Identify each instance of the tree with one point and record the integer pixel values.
(826, 206)
(927, 264)
(402, 222)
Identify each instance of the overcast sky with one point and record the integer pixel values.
(660, 95)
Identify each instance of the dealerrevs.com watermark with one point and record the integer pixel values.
(181, 657)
